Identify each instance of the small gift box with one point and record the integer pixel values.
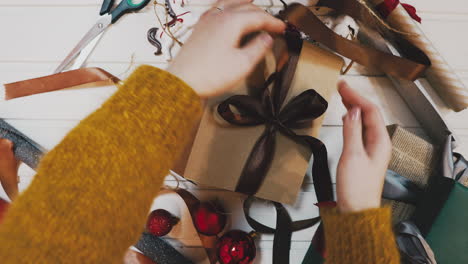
(416, 159)
(224, 153)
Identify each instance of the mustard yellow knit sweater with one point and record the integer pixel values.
(91, 195)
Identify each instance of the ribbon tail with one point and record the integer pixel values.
(258, 163)
(283, 235)
(320, 171)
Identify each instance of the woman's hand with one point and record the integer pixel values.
(212, 60)
(366, 154)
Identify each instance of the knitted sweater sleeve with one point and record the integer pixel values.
(360, 238)
(90, 197)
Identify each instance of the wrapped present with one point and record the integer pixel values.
(416, 159)
(224, 154)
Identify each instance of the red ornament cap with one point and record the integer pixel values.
(160, 222)
(236, 247)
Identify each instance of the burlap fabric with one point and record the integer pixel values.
(412, 157)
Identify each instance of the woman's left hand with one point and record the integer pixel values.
(213, 61)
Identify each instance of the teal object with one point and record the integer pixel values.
(124, 7)
(448, 236)
(312, 257)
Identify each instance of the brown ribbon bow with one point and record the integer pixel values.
(267, 109)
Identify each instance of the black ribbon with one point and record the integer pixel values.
(299, 112)
(267, 109)
(282, 232)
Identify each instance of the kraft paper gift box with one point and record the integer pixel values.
(220, 150)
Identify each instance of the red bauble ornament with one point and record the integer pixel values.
(160, 222)
(210, 218)
(3, 208)
(236, 247)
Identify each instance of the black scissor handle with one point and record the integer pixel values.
(127, 6)
(106, 7)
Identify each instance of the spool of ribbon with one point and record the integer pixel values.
(267, 109)
(386, 8)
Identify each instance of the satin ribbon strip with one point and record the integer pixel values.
(25, 149)
(386, 8)
(400, 188)
(267, 109)
(410, 68)
(57, 82)
(412, 245)
(282, 232)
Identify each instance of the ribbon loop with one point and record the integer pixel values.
(303, 109)
(250, 111)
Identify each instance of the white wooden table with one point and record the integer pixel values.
(37, 35)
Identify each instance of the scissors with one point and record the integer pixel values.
(83, 49)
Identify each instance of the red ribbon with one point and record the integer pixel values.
(387, 6)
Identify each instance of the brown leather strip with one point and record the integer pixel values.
(57, 82)
(409, 68)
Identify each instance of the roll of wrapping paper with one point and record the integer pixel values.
(440, 75)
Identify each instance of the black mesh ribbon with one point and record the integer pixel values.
(266, 109)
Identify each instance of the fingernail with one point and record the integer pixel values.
(342, 83)
(355, 113)
(266, 38)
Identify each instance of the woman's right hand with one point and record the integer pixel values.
(366, 154)
(212, 61)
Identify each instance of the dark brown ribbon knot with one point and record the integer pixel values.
(267, 109)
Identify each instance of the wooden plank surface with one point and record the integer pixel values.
(37, 35)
